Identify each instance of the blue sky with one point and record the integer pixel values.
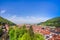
(29, 11)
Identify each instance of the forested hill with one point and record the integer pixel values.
(3, 20)
(51, 22)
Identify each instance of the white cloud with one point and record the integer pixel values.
(2, 11)
(27, 19)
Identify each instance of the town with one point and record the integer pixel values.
(48, 32)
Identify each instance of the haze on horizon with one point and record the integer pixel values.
(29, 11)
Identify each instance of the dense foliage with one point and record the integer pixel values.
(2, 20)
(1, 32)
(52, 22)
(23, 34)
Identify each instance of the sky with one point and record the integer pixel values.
(29, 11)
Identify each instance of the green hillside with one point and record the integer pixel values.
(51, 22)
(3, 20)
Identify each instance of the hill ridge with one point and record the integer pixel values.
(3, 20)
(51, 22)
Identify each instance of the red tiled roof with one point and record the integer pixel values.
(55, 37)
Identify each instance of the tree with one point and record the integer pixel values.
(11, 34)
(31, 33)
(21, 32)
(16, 33)
(39, 37)
(26, 36)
